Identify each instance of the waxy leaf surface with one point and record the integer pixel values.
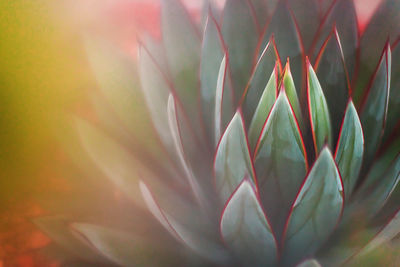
(246, 230)
(267, 100)
(350, 149)
(280, 162)
(232, 161)
(316, 210)
(318, 111)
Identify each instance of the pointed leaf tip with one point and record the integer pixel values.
(318, 111)
(280, 162)
(232, 159)
(316, 210)
(246, 230)
(350, 148)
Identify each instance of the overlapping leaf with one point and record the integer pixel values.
(241, 39)
(350, 149)
(316, 210)
(374, 111)
(334, 80)
(280, 162)
(318, 111)
(343, 16)
(258, 81)
(264, 106)
(224, 107)
(202, 244)
(384, 24)
(287, 39)
(123, 248)
(182, 47)
(211, 57)
(246, 230)
(291, 93)
(232, 159)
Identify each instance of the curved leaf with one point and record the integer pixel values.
(384, 25)
(283, 28)
(379, 192)
(232, 159)
(318, 111)
(182, 46)
(335, 83)
(291, 93)
(350, 149)
(393, 117)
(374, 111)
(316, 210)
(114, 160)
(198, 242)
(343, 17)
(177, 138)
(241, 39)
(245, 229)
(123, 248)
(156, 91)
(258, 82)
(211, 57)
(386, 234)
(57, 228)
(280, 162)
(307, 17)
(116, 75)
(224, 107)
(264, 106)
(260, 10)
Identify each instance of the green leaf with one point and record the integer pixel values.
(232, 159)
(309, 263)
(241, 39)
(245, 229)
(156, 91)
(182, 153)
(280, 162)
(58, 229)
(307, 17)
(393, 117)
(291, 93)
(224, 107)
(211, 57)
(283, 28)
(343, 17)
(123, 248)
(258, 82)
(316, 210)
(335, 82)
(350, 149)
(374, 111)
(182, 45)
(378, 193)
(267, 100)
(318, 111)
(192, 235)
(114, 160)
(384, 24)
(260, 10)
(385, 235)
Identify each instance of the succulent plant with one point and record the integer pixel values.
(258, 162)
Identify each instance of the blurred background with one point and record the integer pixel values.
(44, 78)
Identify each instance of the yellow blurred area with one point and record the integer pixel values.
(43, 73)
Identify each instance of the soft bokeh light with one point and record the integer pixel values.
(45, 79)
